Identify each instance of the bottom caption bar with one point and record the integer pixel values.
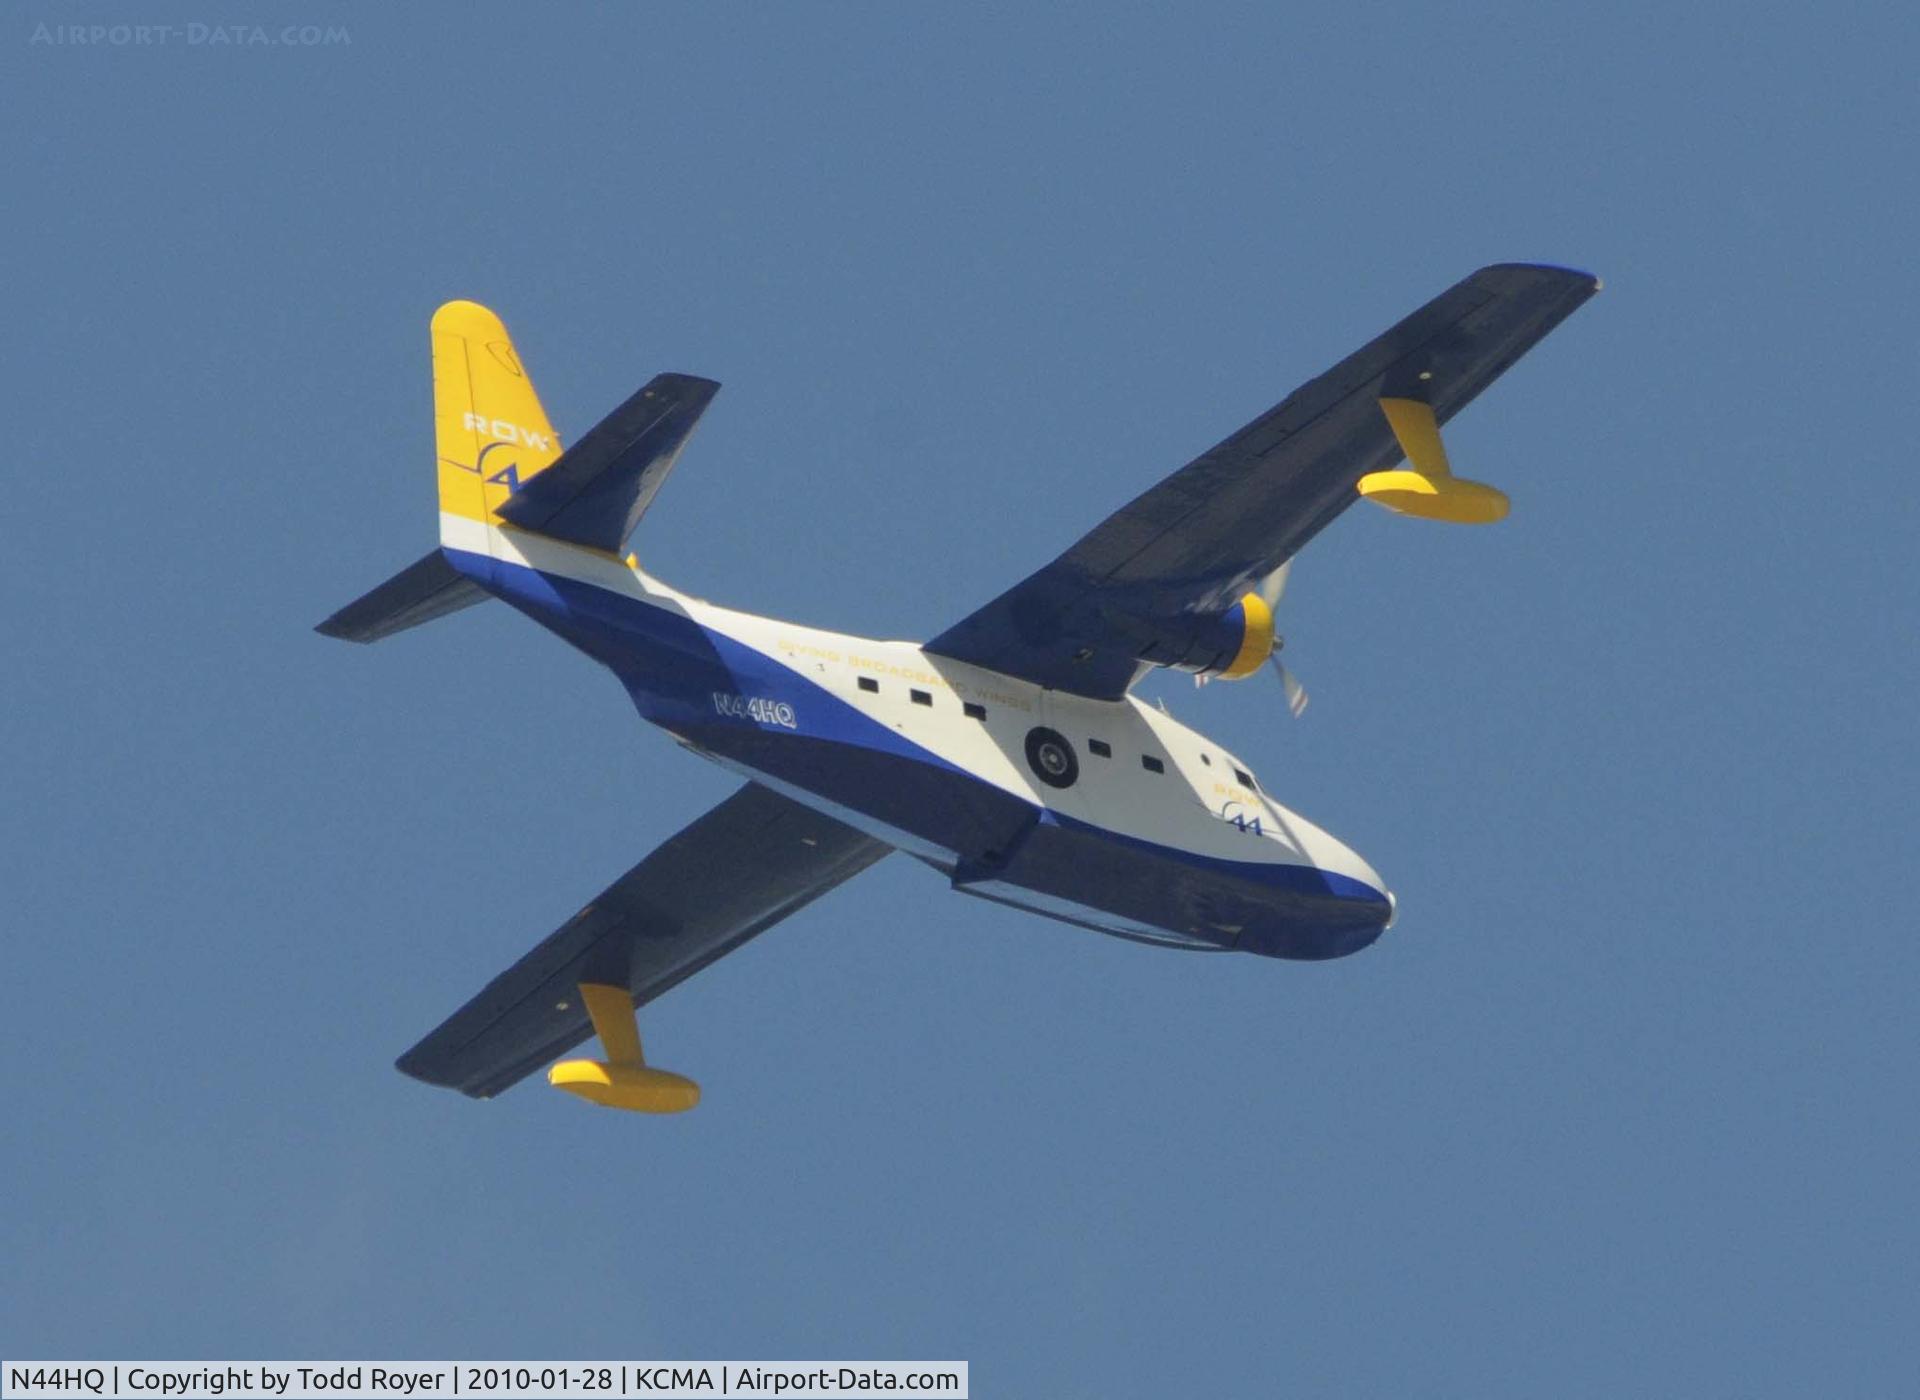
(480, 1380)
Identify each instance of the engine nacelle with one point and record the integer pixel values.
(1228, 645)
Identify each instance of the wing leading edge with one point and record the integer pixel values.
(734, 873)
(1199, 539)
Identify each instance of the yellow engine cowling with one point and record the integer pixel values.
(1232, 644)
(1256, 636)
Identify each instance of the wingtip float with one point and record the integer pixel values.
(1427, 488)
(624, 1079)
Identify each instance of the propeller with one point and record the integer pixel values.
(1271, 587)
(1290, 686)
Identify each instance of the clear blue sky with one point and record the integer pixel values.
(1625, 1104)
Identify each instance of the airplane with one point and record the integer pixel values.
(1009, 753)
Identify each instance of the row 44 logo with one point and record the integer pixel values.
(1235, 813)
(755, 708)
(506, 431)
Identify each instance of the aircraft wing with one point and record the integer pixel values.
(1199, 539)
(737, 871)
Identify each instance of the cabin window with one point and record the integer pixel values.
(1246, 779)
(1152, 764)
(870, 685)
(1101, 747)
(920, 697)
(1206, 759)
(974, 711)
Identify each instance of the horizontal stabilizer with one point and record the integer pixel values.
(734, 873)
(600, 487)
(424, 590)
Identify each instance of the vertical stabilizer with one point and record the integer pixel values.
(490, 433)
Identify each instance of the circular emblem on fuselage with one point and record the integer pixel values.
(1051, 757)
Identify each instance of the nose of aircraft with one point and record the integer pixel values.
(1351, 877)
(1361, 909)
(1340, 911)
(1356, 908)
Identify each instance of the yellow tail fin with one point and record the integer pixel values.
(490, 433)
(491, 437)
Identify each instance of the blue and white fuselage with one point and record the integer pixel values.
(1145, 829)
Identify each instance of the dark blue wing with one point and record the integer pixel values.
(1196, 541)
(734, 873)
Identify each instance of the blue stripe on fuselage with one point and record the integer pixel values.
(679, 673)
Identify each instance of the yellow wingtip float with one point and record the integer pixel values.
(623, 1079)
(1427, 487)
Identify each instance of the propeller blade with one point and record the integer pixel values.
(1273, 585)
(1290, 686)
